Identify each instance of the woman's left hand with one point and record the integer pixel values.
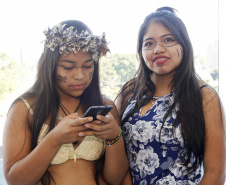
(105, 127)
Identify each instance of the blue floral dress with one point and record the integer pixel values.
(151, 163)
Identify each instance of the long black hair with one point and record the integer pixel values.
(185, 85)
(46, 99)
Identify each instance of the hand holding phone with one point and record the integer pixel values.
(97, 110)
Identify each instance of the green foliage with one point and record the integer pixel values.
(115, 71)
(214, 74)
(13, 75)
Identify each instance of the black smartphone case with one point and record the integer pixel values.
(97, 110)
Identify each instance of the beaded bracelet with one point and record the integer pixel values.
(115, 140)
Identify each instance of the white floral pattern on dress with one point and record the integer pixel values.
(150, 162)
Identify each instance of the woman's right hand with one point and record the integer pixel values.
(24, 165)
(67, 130)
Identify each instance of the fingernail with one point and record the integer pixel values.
(80, 134)
(86, 125)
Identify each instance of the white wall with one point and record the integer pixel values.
(222, 52)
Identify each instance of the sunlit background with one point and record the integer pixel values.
(22, 24)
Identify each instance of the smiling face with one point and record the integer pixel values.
(74, 73)
(161, 52)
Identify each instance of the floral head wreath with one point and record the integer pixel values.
(70, 41)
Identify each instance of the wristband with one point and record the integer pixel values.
(115, 140)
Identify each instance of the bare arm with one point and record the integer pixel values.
(214, 154)
(118, 103)
(116, 162)
(127, 180)
(21, 165)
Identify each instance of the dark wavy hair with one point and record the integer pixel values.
(46, 98)
(185, 85)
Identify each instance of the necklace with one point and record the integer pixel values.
(64, 109)
(154, 99)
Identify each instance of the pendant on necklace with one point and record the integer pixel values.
(154, 99)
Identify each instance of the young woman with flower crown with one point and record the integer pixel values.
(46, 140)
(171, 120)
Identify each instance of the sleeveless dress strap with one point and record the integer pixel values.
(203, 86)
(27, 105)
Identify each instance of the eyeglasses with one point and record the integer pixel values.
(151, 44)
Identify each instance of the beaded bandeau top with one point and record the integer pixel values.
(90, 149)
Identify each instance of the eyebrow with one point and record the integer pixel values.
(72, 62)
(160, 37)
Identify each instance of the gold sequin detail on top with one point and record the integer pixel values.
(91, 148)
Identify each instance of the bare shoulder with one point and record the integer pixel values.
(209, 96)
(108, 101)
(16, 135)
(17, 121)
(214, 154)
(213, 113)
(19, 111)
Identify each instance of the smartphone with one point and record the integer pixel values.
(97, 110)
